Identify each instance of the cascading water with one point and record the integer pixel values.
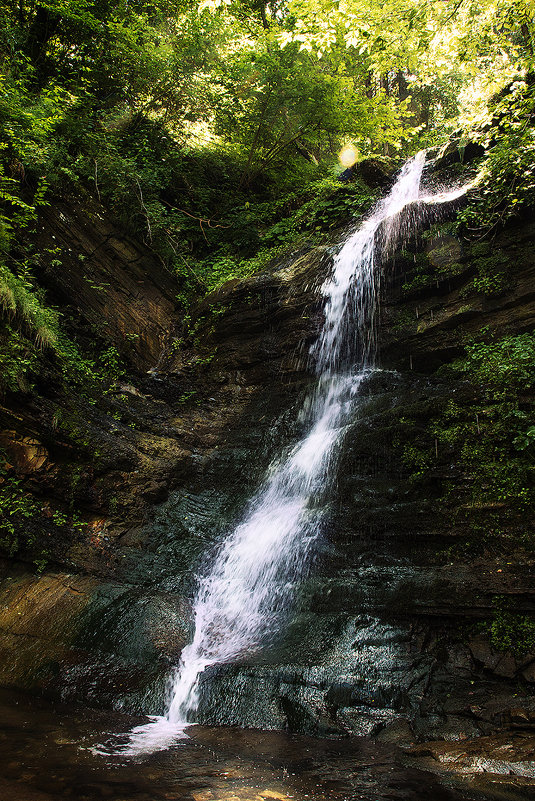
(241, 600)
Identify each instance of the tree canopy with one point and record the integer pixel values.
(200, 125)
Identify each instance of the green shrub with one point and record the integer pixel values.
(19, 300)
(511, 631)
(506, 365)
(507, 183)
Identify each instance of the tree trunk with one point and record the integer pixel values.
(41, 31)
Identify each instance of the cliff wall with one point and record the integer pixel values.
(418, 610)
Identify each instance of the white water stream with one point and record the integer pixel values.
(240, 601)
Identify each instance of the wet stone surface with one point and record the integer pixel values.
(47, 753)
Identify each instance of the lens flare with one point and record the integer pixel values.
(348, 156)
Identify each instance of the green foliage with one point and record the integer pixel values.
(479, 439)
(490, 439)
(475, 450)
(489, 284)
(24, 519)
(20, 357)
(419, 280)
(199, 131)
(204, 132)
(404, 320)
(213, 135)
(18, 299)
(507, 183)
(19, 512)
(299, 217)
(418, 461)
(90, 374)
(17, 508)
(433, 47)
(19, 360)
(289, 102)
(504, 366)
(510, 631)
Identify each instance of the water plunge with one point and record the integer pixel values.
(242, 599)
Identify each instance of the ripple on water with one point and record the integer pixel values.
(45, 755)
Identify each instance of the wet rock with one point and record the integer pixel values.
(134, 538)
(507, 666)
(435, 318)
(457, 149)
(363, 723)
(501, 664)
(519, 715)
(164, 489)
(375, 173)
(38, 624)
(398, 732)
(302, 719)
(495, 754)
(26, 454)
(155, 491)
(529, 673)
(446, 727)
(116, 283)
(459, 659)
(483, 653)
(80, 637)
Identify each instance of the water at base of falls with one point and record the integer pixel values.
(242, 600)
(41, 760)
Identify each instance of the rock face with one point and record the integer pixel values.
(106, 484)
(429, 323)
(397, 628)
(116, 284)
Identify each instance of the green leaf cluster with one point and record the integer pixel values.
(507, 171)
(505, 366)
(509, 630)
(476, 449)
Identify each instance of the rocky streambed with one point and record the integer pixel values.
(53, 752)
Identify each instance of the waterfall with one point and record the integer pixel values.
(242, 598)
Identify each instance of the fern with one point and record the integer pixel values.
(17, 300)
